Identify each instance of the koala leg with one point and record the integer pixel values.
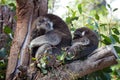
(45, 48)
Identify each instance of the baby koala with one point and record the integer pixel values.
(85, 41)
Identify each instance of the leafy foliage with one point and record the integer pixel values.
(10, 3)
(4, 52)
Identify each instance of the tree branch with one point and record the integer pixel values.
(100, 58)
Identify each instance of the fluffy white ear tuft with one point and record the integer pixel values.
(51, 24)
(83, 33)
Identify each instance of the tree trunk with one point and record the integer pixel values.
(27, 11)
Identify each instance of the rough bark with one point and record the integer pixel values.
(100, 58)
(19, 50)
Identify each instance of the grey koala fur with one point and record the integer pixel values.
(49, 31)
(85, 41)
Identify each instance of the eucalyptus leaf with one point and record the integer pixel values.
(97, 16)
(106, 40)
(62, 57)
(116, 38)
(117, 48)
(116, 31)
(3, 1)
(112, 39)
(115, 9)
(72, 28)
(44, 71)
(13, 6)
(109, 6)
(7, 29)
(43, 65)
(38, 65)
(80, 8)
(103, 24)
(68, 20)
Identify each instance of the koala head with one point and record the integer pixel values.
(81, 32)
(44, 24)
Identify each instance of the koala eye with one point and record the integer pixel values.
(87, 31)
(78, 34)
(49, 26)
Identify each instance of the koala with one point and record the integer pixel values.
(49, 31)
(84, 42)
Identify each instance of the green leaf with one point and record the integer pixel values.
(33, 59)
(91, 27)
(13, 6)
(109, 6)
(44, 71)
(103, 24)
(116, 31)
(39, 65)
(80, 8)
(74, 18)
(116, 38)
(2, 65)
(72, 29)
(97, 16)
(117, 48)
(3, 1)
(104, 10)
(7, 30)
(43, 65)
(112, 39)
(73, 13)
(62, 57)
(106, 40)
(68, 20)
(115, 9)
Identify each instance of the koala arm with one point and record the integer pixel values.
(49, 38)
(81, 51)
(81, 48)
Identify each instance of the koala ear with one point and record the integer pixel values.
(83, 33)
